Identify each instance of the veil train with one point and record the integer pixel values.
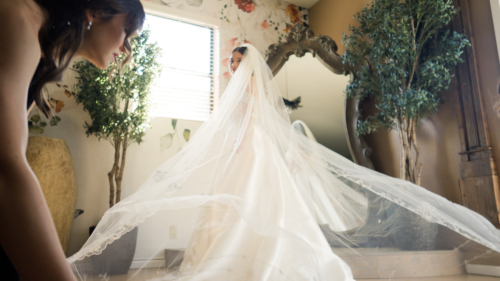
(251, 198)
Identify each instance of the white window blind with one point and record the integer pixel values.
(188, 87)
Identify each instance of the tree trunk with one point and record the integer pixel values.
(122, 168)
(409, 144)
(113, 171)
(410, 168)
(402, 161)
(418, 162)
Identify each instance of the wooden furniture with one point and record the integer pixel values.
(301, 40)
(479, 181)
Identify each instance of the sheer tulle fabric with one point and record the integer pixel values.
(251, 198)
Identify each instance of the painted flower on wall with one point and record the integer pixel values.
(57, 105)
(36, 121)
(293, 13)
(268, 4)
(269, 34)
(194, 3)
(262, 22)
(167, 140)
(264, 25)
(227, 75)
(230, 44)
(247, 6)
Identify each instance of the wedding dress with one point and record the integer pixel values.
(251, 198)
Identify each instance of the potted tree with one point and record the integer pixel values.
(118, 102)
(404, 55)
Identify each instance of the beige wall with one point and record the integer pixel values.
(439, 141)
(93, 159)
(333, 17)
(437, 135)
(323, 98)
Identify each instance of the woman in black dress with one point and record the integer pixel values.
(39, 39)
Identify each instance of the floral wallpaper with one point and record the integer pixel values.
(259, 22)
(37, 122)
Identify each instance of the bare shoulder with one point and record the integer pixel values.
(19, 48)
(26, 10)
(19, 57)
(21, 21)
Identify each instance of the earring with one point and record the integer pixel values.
(89, 26)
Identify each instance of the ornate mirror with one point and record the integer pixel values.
(308, 66)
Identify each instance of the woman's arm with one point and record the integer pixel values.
(28, 234)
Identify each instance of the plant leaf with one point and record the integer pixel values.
(186, 134)
(194, 3)
(35, 130)
(166, 141)
(54, 120)
(174, 123)
(119, 106)
(35, 118)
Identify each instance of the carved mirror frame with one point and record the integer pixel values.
(301, 40)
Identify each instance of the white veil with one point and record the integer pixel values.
(250, 198)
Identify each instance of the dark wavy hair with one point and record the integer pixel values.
(62, 33)
(240, 50)
(290, 104)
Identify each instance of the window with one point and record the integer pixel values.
(188, 87)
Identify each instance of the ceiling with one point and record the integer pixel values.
(303, 3)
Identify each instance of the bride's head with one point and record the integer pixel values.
(236, 57)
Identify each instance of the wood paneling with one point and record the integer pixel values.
(479, 182)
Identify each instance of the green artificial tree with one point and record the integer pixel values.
(404, 55)
(118, 102)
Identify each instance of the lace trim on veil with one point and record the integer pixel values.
(272, 108)
(103, 242)
(426, 211)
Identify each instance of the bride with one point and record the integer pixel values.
(250, 198)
